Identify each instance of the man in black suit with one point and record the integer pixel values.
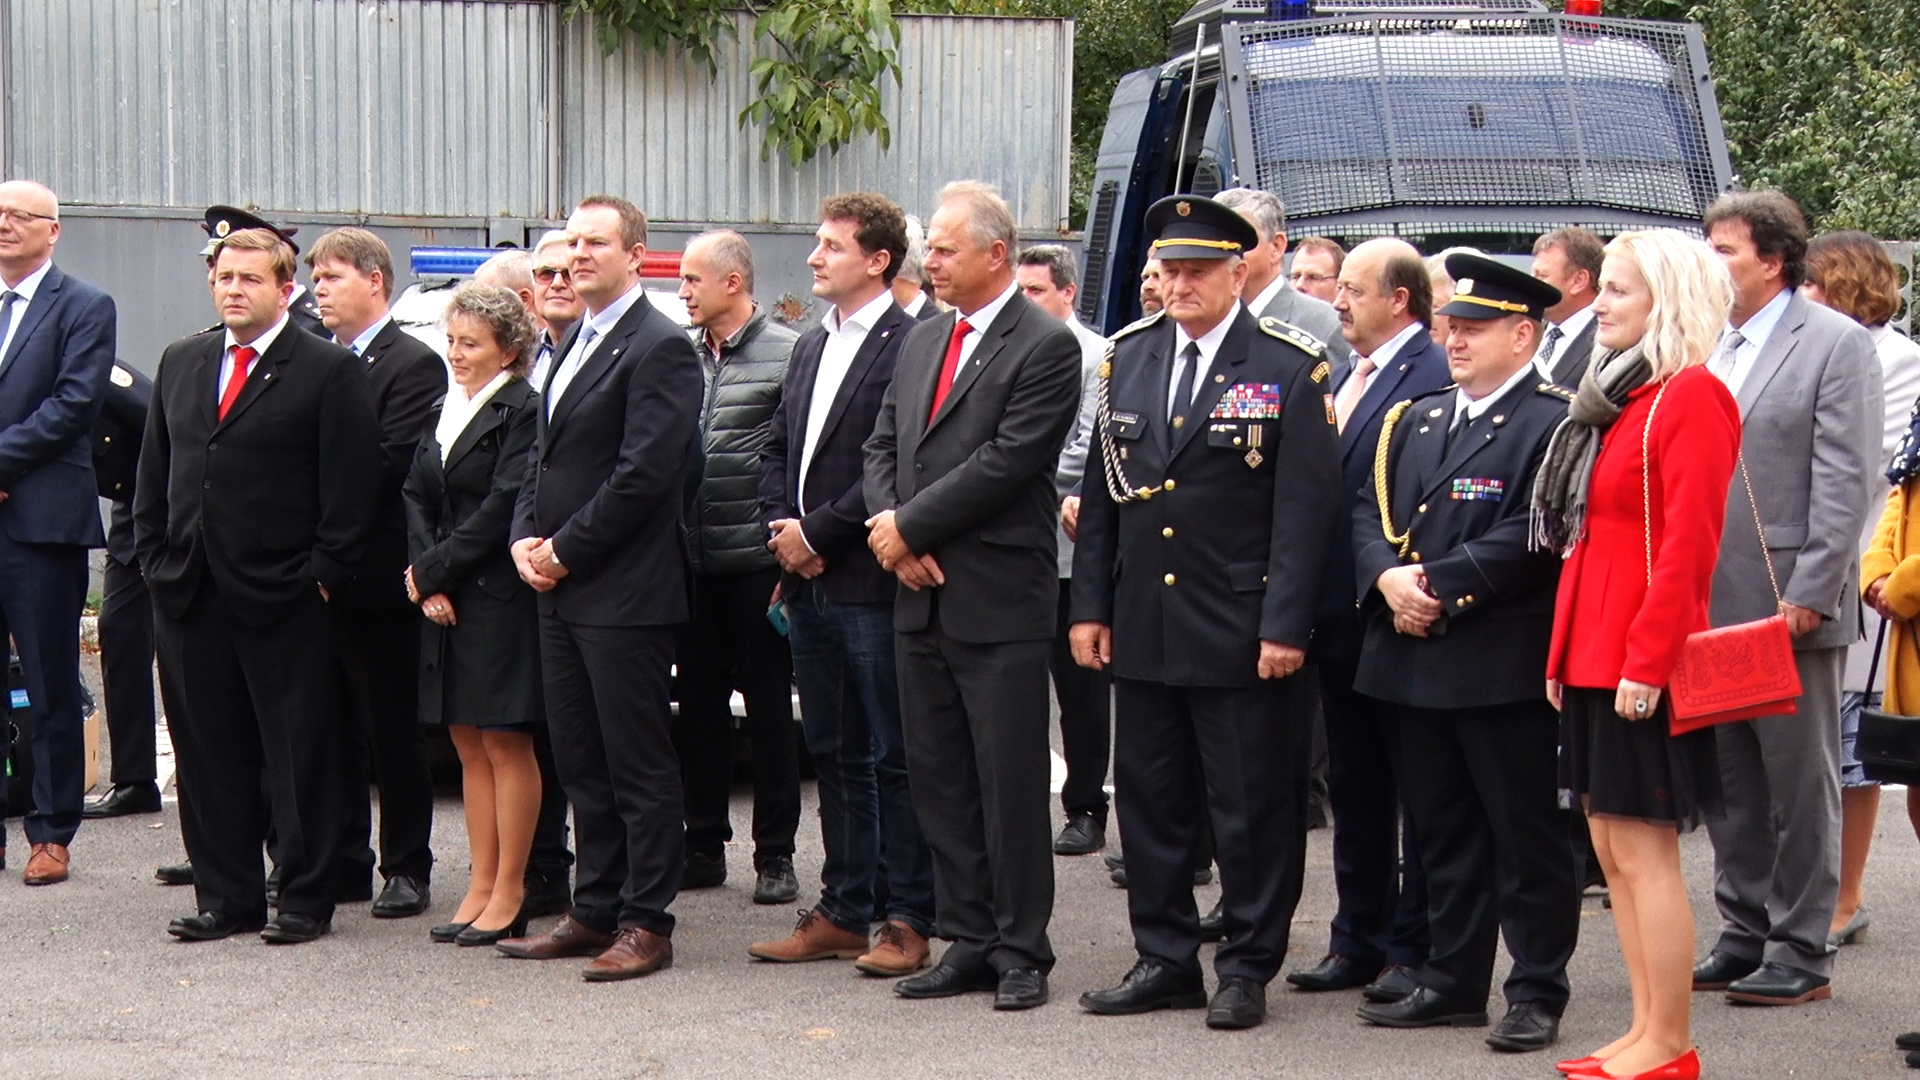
(56, 349)
(126, 609)
(379, 629)
(258, 475)
(959, 479)
(1569, 260)
(839, 602)
(1379, 930)
(1202, 540)
(599, 533)
(1458, 607)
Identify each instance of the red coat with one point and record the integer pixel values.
(1608, 623)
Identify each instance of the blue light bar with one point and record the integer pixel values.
(449, 261)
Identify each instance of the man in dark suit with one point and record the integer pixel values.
(56, 349)
(1458, 607)
(1202, 540)
(1379, 929)
(256, 490)
(599, 533)
(379, 629)
(839, 603)
(959, 479)
(1569, 260)
(126, 609)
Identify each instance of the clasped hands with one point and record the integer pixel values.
(1414, 607)
(916, 572)
(533, 558)
(438, 607)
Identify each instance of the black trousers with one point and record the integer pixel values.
(611, 720)
(1249, 748)
(1382, 913)
(126, 672)
(731, 644)
(1483, 788)
(382, 743)
(975, 720)
(255, 717)
(1086, 722)
(550, 857)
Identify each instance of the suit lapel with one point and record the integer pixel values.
(1220, 375)
(1575, 355)
(1773, 355)
(381, 342)
(262, 378)
(205, 380)
(603, 357)
(992, 339)
(804, 369)
(37, 309)
(484, 421)
(1383, 391)
(1427, 445)
(891, 323)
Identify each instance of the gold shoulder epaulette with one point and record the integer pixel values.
(1321, 370)
(1295, 336)
(1554, 390)
(1137, 325)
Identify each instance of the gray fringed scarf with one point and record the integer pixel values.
(1560, 489)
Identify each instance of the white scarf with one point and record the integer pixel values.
(458, 410)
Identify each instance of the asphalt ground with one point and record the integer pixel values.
(91, 985)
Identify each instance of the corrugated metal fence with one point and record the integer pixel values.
(433, 108)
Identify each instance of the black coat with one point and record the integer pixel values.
(974, 485)
(1230, 552)
(836, 526)
(1467, 513)
(1571, 365)
(609, 475)
(116, 453)
(485, 669)
(270, 500)
(408, 377)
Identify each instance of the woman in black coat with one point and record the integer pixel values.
(479, 657)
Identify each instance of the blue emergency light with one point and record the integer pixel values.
(449, 261)
(1284, 10)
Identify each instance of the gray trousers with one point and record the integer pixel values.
(1776, 855)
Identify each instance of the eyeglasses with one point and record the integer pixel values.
(8, 213)
(545, 274)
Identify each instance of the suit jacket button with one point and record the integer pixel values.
(1169, 485)
(919, 467)
(1465, 600)
(480, 581)
(206, 485)
(1422, 509)
(1168, 531)
(1415, 556)
(1168, 579)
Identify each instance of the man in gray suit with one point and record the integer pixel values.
(1808, 385)
(1268, 293)
(1569, 260)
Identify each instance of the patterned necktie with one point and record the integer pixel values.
(1183, 372)
(949, 367)
(237, 378)
(1355, 389)
(1552, 342)
(1726, 357)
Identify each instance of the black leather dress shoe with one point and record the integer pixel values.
(447, 933)
(704, 871)
(124, 799)
(473, 935)
(1151, 985)
(1240, 1003)
(1778, 984)
(1083, 834)
(1423, 1008)
(1913, 1059)
(1213, 926)
(1908, 1041)
(1527, 1026)
(175, 874)
(211, 926)
(402, 897)
(1114, 860)
(1020, 988)
(293, 928)
(548, 893)
(1333, 972)
(1719, 970)
(946, 980)
(1393, 984)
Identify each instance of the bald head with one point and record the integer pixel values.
(512, 269)
(29, 227)
(1383, 288)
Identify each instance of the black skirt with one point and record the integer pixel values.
(1623, 768)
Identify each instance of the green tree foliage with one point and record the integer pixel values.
(1819, 98)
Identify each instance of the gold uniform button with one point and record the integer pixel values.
(1423, 508)
(1168, 579)
(1168, 531)
(1416, 556)
(1169, 486)
(1465, 600)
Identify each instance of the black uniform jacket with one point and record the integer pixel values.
(408, 377)
(1466, 513)
(275, 497)
(116, 452)
(1230, 548)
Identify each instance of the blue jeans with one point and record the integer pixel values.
(850, 711)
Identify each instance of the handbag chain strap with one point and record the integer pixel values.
(1646, 498)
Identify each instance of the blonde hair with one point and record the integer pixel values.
(265, 240)
(1692, 294)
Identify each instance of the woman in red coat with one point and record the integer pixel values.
(1634, 492)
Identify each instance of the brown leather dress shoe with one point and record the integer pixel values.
(47, 865)
(634, 952)
(567, 938)
(816, 938)
(900, 951)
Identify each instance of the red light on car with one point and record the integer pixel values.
(1583, 7)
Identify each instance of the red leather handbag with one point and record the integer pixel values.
(1728, 673)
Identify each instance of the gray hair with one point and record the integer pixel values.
(1061, 266)
(512, 268)
(913, 266)
(727, 252)
(547, 240)
(1437, 262)
(1263, 209)
(988, 218)
(503, 313)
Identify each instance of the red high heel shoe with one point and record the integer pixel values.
(1684, 1067)
(1587, 1064)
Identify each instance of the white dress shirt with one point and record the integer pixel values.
(1209, 343)
(542, 361)
(28, 286)
(1477, 407)
(1754, 334)
(1273, 289)
(601, 325)
(259, 345)
(844, 338)
(1571, 327)
(979, 320)
(359, 345)
(918, 305)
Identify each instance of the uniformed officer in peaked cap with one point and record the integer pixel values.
(222, 221)
(1458, 609)
(1203, 527)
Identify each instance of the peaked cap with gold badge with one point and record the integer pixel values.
(1190, 227)
(1486, 288)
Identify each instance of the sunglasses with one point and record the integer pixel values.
(545, 274)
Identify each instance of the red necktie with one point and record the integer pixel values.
(242, 357)
(948, 367)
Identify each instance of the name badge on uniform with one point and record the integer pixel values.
(1249, 401)
(1476, 488)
